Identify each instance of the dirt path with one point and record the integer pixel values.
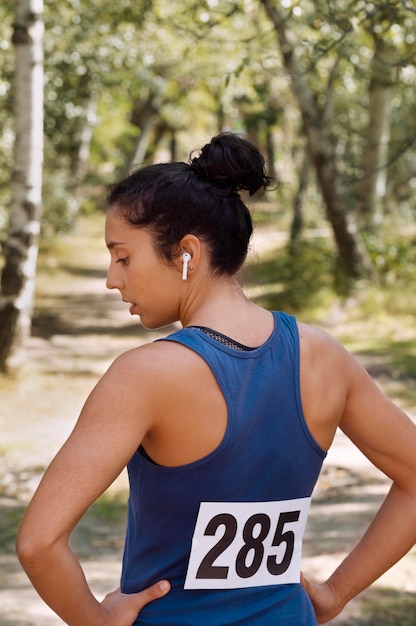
(79, 328)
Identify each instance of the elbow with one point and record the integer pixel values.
(32, 549)
(27, 549)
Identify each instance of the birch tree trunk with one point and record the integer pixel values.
(80, 157)
(21, 247)
(372, 189)
(316, 127)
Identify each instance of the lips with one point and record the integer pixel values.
(131, 307)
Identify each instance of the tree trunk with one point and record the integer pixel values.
(21, 246)
(270, 155)
(143, 142)
(145, 117)
(372, 189)
(353, 256)
(297, 221)
(80, 157)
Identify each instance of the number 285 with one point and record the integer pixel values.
(251, 555)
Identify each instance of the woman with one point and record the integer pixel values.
(223, 426)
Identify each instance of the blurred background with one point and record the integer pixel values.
(88, 90)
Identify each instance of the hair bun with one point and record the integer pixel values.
(231, 164)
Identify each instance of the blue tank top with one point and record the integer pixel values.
(226, 530)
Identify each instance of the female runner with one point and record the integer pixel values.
(223, 426)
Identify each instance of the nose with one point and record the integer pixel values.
(112, 280)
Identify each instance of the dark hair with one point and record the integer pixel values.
(199, 197)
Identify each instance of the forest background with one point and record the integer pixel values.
(326, 90)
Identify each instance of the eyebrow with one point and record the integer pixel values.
(113, 244)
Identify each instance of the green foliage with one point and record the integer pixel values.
(59, 213)
(206, 66)
(335, 44)
(111, 506)
(294, 282)
(304, 278)
(394, 258)
(10, 519)
(389, 608)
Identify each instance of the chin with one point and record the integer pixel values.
(155, 324)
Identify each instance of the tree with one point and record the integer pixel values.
(6, 123)
(390, 27)
(372, 188)
(317, 130)
(21, 245)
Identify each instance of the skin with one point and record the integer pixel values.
(189, 419)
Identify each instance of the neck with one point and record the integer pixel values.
(220, 304)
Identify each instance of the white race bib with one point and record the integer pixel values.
(247, 544)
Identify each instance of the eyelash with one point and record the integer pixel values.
(123, 261)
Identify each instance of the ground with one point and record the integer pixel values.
(78, 330)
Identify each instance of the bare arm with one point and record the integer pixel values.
(112, 424)
(388, 438)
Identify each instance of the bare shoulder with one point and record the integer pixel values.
(157, 358)
(132, 382)
(150, 373)
(314, 337)
(327, 372)
(128, 397)
(338, 392)
(322, 351)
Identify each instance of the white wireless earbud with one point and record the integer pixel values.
(186, 257)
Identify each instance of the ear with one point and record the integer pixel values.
(194, 247)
